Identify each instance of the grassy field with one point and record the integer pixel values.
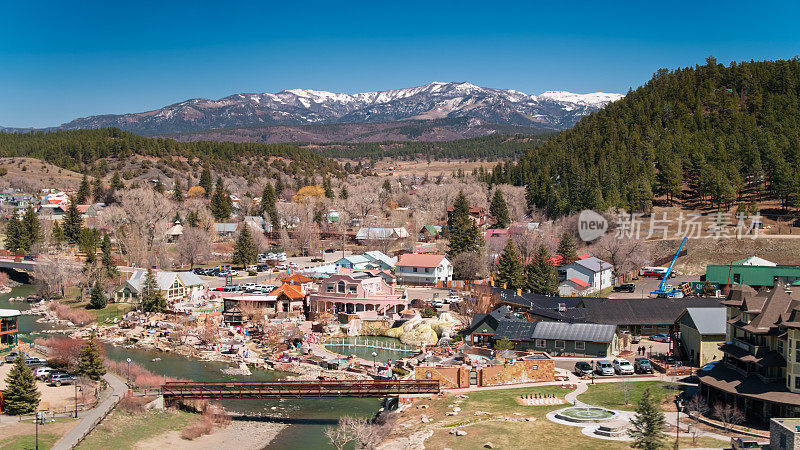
(122, 430)
(610, 395)
(504, 427)
(28, 441)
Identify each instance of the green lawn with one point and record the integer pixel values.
(610, 395)
(538, 433)
(122, 430)
(28, 441)
(111, 311)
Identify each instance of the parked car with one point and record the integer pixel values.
(582, 368)
(627, 287)
(741, 443)
(232, 288)
(330, 250)
(622, 366)
(59, 378)
(33, 361)
(262, 268)
(248, 286)
(11, 357)
(233, 273)
(660, 337)
(642, 365)
(604, 367)
(43, 373)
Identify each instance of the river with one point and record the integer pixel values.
(307, 418)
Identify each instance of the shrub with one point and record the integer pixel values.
(198, 428)
(133, 405)
(62, 351)
(76, 316)
(139, 376)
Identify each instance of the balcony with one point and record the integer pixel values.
(752, 346)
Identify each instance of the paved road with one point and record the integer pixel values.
(89, 419)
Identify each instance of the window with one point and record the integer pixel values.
(737, 278)
(540, 343)
(331, 287)
(414, 270)
(340, 287)
(559, 344)
(352, 288)
(427, 375)
(780, 346)
(580, 345)
(797, 351)
(797, 382)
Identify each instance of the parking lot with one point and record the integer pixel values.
(646, 285)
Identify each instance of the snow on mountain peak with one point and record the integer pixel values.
(593, 99)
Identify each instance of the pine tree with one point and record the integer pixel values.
(343, 194)
(73, 222)
(98, 191)
(221, 206)
(326, 186)
(87, 243)
(151, 297)
(499, 210)
(206, 182)
(541, 276)
(648, 425)
(387, 186)
(566, 248)
(109, 265)
(31, 226)
(116, 182)
(90, 360)
(509, 268)
(20, 395)
(177, 191)
(269, 204)
(57, 234)
(245, 251)
(97, 299)
(464, 234)
(279, 186)
(83, 191)
(158, 186)
(14, 236)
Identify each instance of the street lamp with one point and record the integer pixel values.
(128, 377)
(39, 417)
(77, 388)
(373, 362)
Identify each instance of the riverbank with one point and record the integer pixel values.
(248, 435)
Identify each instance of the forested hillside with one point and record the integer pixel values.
(89, 150)
(485, 147)
(711, 134)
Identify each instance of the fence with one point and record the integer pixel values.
(393, 346)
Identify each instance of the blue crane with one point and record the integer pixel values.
(662, 290)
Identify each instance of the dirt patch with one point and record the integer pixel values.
(245, 435)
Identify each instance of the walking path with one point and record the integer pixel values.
(89, 419)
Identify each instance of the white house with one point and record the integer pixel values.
(584, 276)
(415, 268)
(368, 260)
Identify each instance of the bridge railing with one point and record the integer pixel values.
(297, 389)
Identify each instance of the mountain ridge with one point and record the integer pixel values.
(551, 110)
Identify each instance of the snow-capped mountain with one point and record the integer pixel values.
(552, 109)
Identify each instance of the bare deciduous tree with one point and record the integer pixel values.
(728, 414)
(624, 254)
(194, 246)
(625, 386)
(52, 275)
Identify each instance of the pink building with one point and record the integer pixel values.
(356, 292)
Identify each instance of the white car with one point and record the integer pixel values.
(247, 286)
(233, 273)
(42, 372)
(622, 366)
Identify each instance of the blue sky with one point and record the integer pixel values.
(61, 60)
